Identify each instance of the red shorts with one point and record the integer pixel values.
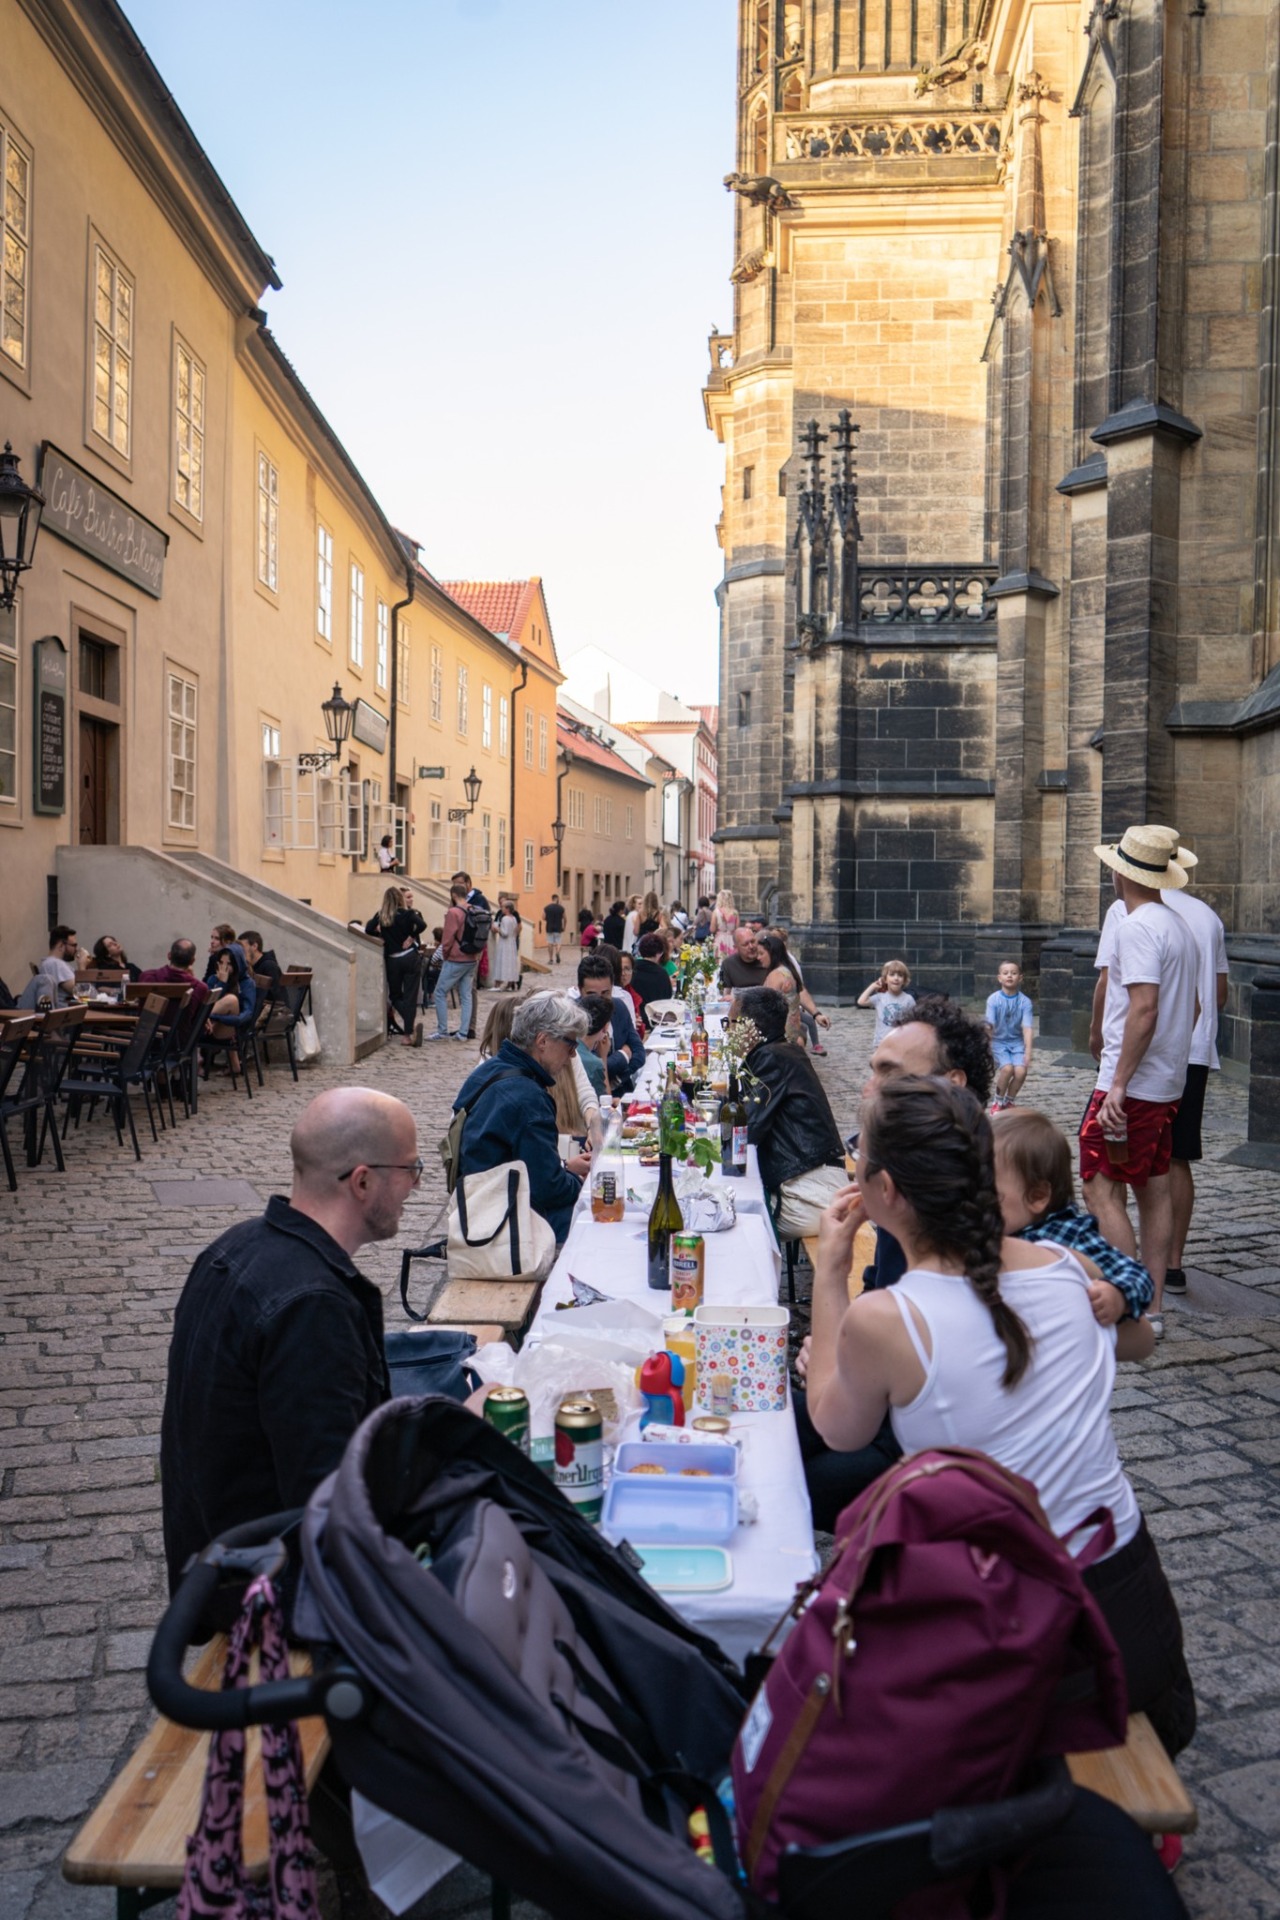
(1150, 1141)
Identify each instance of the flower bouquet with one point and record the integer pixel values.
(697, 964)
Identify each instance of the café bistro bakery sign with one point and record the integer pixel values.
(100, 523)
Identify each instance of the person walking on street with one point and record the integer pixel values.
(553, 921)
(1148, 1019)
(457, 969)
(1010, 1016)
(1211, 946)
(399, 926)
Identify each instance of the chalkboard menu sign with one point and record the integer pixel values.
(50, 757)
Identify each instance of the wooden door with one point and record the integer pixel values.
(95, 738)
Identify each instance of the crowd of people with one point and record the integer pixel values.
(991, 1317)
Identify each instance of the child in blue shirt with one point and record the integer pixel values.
(1009, 1015)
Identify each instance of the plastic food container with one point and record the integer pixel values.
(664, 1510)
(720, 1462)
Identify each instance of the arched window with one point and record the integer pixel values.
(793, 93)
(760, 140)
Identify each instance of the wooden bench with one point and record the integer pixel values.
(136, 1838)
(1141, 1778)
(864, 1253)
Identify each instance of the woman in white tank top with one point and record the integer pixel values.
(991, 1343)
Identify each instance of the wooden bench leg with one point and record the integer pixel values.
(132, 1902)
(499, 1901)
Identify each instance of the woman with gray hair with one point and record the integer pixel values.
(509, 1105)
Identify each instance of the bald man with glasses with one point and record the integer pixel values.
(277, 1351)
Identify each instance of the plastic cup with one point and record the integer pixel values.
(1117, 1145)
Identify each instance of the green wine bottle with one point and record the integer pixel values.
(665, 1218)
(733, 1133)
(671, 1119)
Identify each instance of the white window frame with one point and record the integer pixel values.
(486, 842)
(543, 732)
(575, 808)
(382, 644)
(180, 750)
(351, 840)
(435, 837)
(355, 629)
(464, 702)
(10, 700)
(189, 371)
(529, 873)
(330, 804)
(631, 823)
(15, 249)
(528, 736)
(608, 819)
(597, 814)
(502, 844)
(486, 715)
(324, 582)
(268, 522)
(437, 685)
(279, 794)
(113, 322)
(504, 725)
(270, 739)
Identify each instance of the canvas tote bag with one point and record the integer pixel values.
(494, 1233)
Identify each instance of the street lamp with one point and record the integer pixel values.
(557, 835)
(471, 787)
(338, 715)
(20, 509)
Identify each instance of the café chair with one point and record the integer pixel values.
(110, 1073)
(14, 1036)
(47, 1060)
(288, 1004)
(183, 1054)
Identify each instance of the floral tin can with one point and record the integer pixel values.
(749, 1344)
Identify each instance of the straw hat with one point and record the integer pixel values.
(1145, 856)
(1183, 856)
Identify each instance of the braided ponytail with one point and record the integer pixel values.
(935, 1141)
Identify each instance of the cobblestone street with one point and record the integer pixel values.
(91, 1265)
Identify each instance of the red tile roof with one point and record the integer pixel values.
(711, 715)
(501, 605)
(585, 746)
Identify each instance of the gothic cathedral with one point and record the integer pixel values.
(1001, 419)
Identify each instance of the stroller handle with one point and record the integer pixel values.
(200, 1707)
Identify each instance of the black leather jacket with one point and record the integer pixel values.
(789, 1118)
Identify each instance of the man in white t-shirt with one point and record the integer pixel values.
(1149, 1013)
(56, 978)
(1211, 985)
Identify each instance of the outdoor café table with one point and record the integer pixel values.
(771, 1556)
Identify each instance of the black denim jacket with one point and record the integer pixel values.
(276, 1358)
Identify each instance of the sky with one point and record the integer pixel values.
(504, 240)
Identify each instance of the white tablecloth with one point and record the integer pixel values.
(774, 1554)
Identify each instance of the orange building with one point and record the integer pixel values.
(516, 611)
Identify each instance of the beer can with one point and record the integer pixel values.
(580, 1455)
(688, 1271)
(507, 1410)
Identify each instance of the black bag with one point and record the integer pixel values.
(430, 1360)
(477, 925)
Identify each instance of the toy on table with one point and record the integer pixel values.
(660, 1379)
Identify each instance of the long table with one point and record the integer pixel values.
(771, 1556)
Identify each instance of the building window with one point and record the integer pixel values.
(462, 697)
(112, 350)
(356, 635)
(324, 584)
(597, 814)
(402, 663)
(630, 823)
(504, 725)
(542, 743)
(528, 736)
(437, 684)
(486, 841)
(748, 482)
(8, 707)
(528, 866)
(382, 661)
(575, 807)
(608, 819)
(268, 523)
(182, 752)
(15, 255)
(486, 716)
(502, 844)
(270, 740)
(435, 838)
(188, 427)
(744, 708)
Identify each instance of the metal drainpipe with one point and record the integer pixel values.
(511, 744)
(396, 611)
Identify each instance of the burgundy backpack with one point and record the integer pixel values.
(949, 1642)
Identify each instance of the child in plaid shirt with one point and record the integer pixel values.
(1037, 1199)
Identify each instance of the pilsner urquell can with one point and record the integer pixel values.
(688, 1271)
(507, 1409)
(580, 1455)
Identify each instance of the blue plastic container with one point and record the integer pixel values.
(644, 1509)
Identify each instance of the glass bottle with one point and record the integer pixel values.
(700, 1047)
(733, 1132)
(671, 1118)
(665, 1218)
(608, 1173)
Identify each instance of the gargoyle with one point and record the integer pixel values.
(759, 189)
(969, 58)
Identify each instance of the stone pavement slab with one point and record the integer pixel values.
(91, 1264)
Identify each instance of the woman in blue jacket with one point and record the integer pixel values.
(235, 997)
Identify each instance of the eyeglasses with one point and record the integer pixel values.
(416, 1167)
